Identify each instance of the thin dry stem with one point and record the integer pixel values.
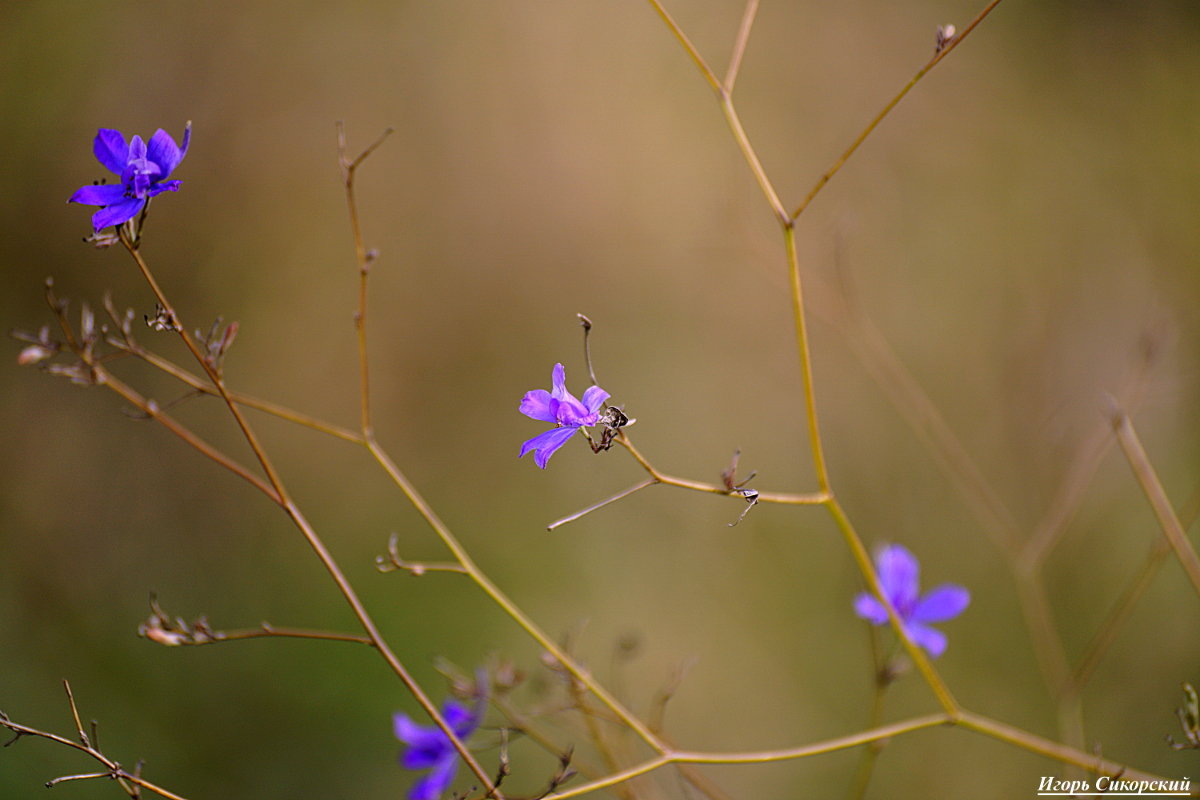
(152, 411)
(739, 45)
(687, 45)
(265, 406)
(1106, 634)
(363, 258)
(809, 499)
(112, 769)
(887, 109)
(1131, 445)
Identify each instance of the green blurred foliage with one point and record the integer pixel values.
(1018, 229)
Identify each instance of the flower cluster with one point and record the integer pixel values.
(143, 168)
(899, 575)
(563, 409)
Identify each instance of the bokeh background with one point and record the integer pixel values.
(1021, 231)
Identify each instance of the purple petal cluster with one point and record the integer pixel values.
(143, 168)
(430, 748)
(561, 408)
(899, 574)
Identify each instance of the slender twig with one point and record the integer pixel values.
(265, 406)
(1107, 632)
(213, 375)
(1148, 479)
(363, 258)
(594, 506)
(949, 46)
(805, 355)
(1059, 752)
(599, 740)
(701, 64)
(870, 753)
(393, 561)
(739, 45)
(757, 757)
(151, 410)
(586, 324)
(731, 115)
(112, 769)
(83, 737)
(808, 499)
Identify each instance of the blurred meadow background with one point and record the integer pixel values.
(1022, 232)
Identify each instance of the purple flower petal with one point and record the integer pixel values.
(870, 609)
(539, 405)
(105, 194)
(558, 382)
(899, 574)
(934, 641)
(117, 213)
(163, 151)
(426, 745)
(137, 151)
(573, 414)
(594, 397)
(433, 784)
(545, 444)
(459, 717)
(940, 604)
(163, 186)
(111, 150)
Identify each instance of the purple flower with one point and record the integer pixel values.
(429, 748)
(898, 577)
(562, 408)
(143, 168)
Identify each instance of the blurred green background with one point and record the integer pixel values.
(1016, 230)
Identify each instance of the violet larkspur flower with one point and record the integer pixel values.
(430, 748)
(143, 168)
(562, 408)
(899, 575)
